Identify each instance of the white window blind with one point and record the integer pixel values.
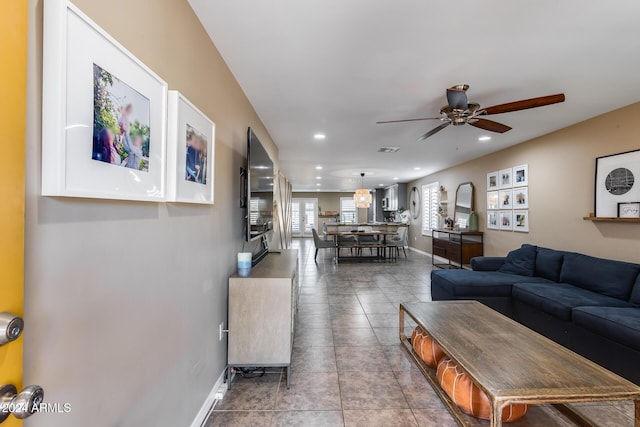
(430, 203)
(348, 211)
(254, 211)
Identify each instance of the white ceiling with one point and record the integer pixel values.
(338, 66)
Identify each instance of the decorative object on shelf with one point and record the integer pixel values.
(506, 199)
(492, 181)
(493, 200)
(506, 220)
(104, 113)
(362, 196)
(629, 210)
(521, 198)
(473, 221)
(190, 152)
(616, 182)
(465, 200)
(521, 221)
(506, 179)
(244, 263)
(521, 176)
(492, 220)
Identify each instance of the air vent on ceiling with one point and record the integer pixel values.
(388, 149)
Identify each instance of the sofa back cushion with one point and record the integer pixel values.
(549, 263)
(635, 293)
(521, 261)
(606, 277)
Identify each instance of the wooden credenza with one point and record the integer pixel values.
(262, 312)
(457, 247)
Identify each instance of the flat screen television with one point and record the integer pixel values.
(259, 179)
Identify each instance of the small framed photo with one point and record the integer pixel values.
(492, 181)
(629, 210)
(506, 199)
(521, 221)
(505, 178)
(493, 200)
(190, 149)
(521, 198)
(103, 114)
(492, 220)
(506, 220)
(521, 176)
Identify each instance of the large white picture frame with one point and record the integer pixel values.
(104, 113)
(190, 152)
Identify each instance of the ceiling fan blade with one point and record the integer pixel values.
(457, 99)
(489, 125)
(433, 131)
(525, 104)
(408, 120)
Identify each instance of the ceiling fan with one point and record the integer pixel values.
(460, 111)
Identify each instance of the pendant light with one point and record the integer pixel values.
(362, 196)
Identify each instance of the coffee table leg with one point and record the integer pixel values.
(496, 415)
(637, 420)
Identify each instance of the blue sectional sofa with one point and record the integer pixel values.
(590, 305)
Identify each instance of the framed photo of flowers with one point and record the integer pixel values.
(521, 221)
(104, 113)
(190, 152)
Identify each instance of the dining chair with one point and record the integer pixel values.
(320, 243)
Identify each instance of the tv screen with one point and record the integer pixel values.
(260, 189)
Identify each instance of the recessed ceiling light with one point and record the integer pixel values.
(416, 169)
(319, 136)
(318, 177)
(395, 178)
(318, 184)
(484, 138)
(318, 168)
(381, 185)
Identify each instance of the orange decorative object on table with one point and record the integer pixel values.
(469, 397)
(426, 348)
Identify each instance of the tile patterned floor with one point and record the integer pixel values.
(348, 368)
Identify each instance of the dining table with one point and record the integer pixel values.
(381, 246)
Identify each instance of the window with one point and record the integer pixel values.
(348, 211)
(430, 204)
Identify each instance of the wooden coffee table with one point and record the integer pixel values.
(511, 363)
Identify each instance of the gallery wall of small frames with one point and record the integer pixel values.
(508, 199)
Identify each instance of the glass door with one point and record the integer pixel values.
(304, 215)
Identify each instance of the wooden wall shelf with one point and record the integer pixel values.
(606, 219)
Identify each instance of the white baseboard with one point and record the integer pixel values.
(209, 402)
(411, 248)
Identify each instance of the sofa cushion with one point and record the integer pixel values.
(618, 324)
(549, 263)
(559, 299)
(606, 277)
(465, 283)
(486, 263)
(521, 262)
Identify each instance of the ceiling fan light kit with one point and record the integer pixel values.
(460, 111)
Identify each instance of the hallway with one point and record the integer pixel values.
(348, 367)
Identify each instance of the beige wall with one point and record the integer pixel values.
(561, 169)
(123, 299)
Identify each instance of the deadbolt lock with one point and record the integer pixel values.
(11, 327)
(21, 405)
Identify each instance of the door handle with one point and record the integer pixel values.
(21, 405)
(11, 327)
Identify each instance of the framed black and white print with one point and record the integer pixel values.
(506, 199)
(521, 176)
(492, 181)
(506, 220)
(617, 181)
(492, 220)
(521, 198)
(521, 221)
(629, 210)
(103, 113)
(505, 178)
